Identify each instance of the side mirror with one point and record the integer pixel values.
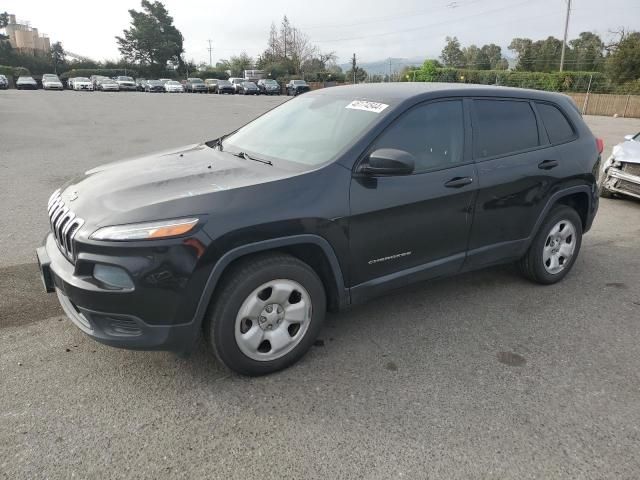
(629, 138)
(389, 161)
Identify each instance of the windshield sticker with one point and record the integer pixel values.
(367, 106)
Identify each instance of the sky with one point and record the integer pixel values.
(373, 29)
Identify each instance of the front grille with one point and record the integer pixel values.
(64, 224)
(631, 168)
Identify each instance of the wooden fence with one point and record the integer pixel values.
(608, 104)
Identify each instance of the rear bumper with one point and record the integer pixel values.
(101, 313)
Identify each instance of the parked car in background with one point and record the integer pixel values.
(141, 84)
(95, 79)
(82, 83)
(173, 87)
(224, 86)
(621, 171)
(406, 189)
(236, 82)
(165, 80)
(106, 84)
(70, 82)
(296, 87)
(268, 86)
(196, 85)
(26, 83)
(211, 84)
(126, 83)
(151, 86)
(50, 81)
(248, 88)
(4, 82)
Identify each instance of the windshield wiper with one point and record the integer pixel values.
(246, 156)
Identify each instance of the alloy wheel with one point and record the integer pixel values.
(273, 320)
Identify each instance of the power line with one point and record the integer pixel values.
(422, 27)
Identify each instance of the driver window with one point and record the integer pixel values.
(433, 133)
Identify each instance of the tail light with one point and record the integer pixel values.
(600, 145)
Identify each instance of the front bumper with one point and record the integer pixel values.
(618, 180)
(112, 317)
(130, 88)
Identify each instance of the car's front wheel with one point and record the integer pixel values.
(266, 315)
(554, 248)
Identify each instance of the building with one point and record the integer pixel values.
(23, 37)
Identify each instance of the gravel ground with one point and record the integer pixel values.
(480, 376)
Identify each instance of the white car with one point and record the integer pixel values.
(82, 83)
(107, 85)
(621, 171)
(51, 81)
(126, 83)
(173, 87)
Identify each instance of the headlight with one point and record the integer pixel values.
(146, 231)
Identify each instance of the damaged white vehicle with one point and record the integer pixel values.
(621, 171)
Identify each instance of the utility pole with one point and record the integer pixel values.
(566, 28)
(210, 50)
(353, 67)
(389, 69)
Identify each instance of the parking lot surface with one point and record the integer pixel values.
(479, 376)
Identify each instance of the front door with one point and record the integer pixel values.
(411, 227)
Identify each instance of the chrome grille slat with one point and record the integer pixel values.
(64, 224)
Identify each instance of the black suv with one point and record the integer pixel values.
(252, 237)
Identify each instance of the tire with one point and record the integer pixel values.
(545, 264)
(253, 282)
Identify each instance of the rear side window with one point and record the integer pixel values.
(502, 127)
(555, 123)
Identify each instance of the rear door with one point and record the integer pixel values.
(517, 169)
(410, 227)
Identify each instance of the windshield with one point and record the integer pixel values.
(82, 79)
(299, 82)
(173, 82)
(224, 82)
(195, 80)
(270, 82)
(309, 130)
(125, 79)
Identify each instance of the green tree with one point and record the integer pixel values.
(58, 56)
(587, 53)
(523, 47)
(452, 55)
(623, 63)
(238, 64)
(493, 54)
(4, 21)
(361, 75)
(152, 40)
(429, 71)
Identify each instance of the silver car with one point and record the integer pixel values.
(621, 171)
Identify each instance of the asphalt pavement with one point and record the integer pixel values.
(484, 375)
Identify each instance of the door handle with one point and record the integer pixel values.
(548, 164)
(459, 182)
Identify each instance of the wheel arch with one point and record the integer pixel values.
(579, 197)
(311, 249)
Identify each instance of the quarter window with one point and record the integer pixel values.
(502, 127)
(432, 133)
(555, 123)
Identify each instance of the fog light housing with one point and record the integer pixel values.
(114, 277)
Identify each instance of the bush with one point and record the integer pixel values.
(556, 81)
(13, 72)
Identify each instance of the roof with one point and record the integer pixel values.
(398, 91)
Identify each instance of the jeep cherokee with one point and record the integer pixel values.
(328, 200)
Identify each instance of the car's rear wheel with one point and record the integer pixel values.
(555, 247)
(266, 315)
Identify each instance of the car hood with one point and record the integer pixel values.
(168, 184)
(628, 151)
